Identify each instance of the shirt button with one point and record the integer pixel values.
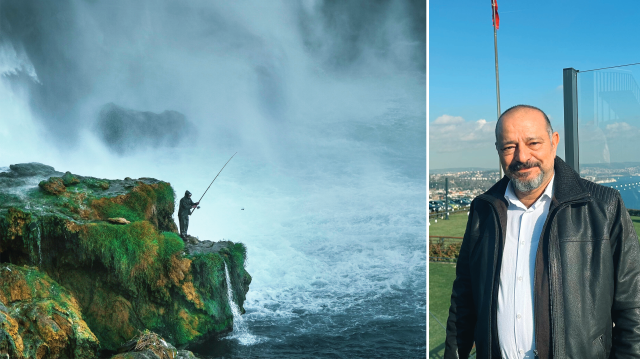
(518, 316)
(522, 243)
(520, 278)
(521, 352)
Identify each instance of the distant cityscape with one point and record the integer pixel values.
(462, 184)
(472, 182)
(609, 173)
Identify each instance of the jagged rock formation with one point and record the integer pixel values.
(124, 130)
(149, 345)
(125, 278)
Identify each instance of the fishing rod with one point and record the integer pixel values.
(205, 192)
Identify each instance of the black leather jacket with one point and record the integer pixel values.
(587, 275)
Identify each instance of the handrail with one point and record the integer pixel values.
(441, 213)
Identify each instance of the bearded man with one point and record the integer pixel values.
(550, 263)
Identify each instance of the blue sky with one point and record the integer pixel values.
(536, 40)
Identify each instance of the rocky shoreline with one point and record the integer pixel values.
(89, 264)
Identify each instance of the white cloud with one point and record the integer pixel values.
(620, 127)
(448, 120)
(622, 131)
(453, 133)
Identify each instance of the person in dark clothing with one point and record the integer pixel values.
(186, 204)
(549, 261)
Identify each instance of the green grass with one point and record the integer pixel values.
(636, 224)
(133, 251)
(453, 227)
(169, 244)
(441, 276)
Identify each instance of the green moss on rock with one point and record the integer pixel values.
(69, 179)
(41, 319)
(125, 278)
(54, 185)
(15, 223)
(96, 183)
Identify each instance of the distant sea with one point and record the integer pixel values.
(629, 187)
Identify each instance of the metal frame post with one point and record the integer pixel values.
(446, 197)
(571, 146)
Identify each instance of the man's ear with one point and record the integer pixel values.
(555, 139)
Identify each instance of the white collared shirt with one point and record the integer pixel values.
(515, 291)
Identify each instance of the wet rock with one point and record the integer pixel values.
(145, 354)
(96, 183)
(69, 179)
(185, 354)
(149, 345)
(126, 130)
(55, 185)
(148, 354)
(41, 319)
(29, 169)
(206, 247)
(190, 239)
(125, 278)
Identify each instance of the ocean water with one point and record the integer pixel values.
(629, 188)
(336, 248)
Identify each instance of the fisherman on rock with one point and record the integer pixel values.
(186, 204)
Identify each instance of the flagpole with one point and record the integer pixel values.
(494, 6)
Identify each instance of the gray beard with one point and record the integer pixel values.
(527, 186)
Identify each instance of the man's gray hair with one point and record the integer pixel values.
(516, 107)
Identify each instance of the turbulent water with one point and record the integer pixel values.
(336, 249)
(324, 102)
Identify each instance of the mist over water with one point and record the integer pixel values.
(324, 103)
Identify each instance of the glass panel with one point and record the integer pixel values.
(609, 130)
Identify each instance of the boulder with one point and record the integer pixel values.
(40, 319)
(149, 345)
(190, 239)
(126, 130)
(54, 185)
(69, 179)
(29, 170)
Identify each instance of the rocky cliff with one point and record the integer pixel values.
(73, 280)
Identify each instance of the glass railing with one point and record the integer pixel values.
(609, 129)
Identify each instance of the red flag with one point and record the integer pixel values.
(496, 17)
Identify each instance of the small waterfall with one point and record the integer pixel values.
(240, 330)
(35, 234)
(39, 240)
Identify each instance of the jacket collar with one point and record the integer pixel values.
(567, 182)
